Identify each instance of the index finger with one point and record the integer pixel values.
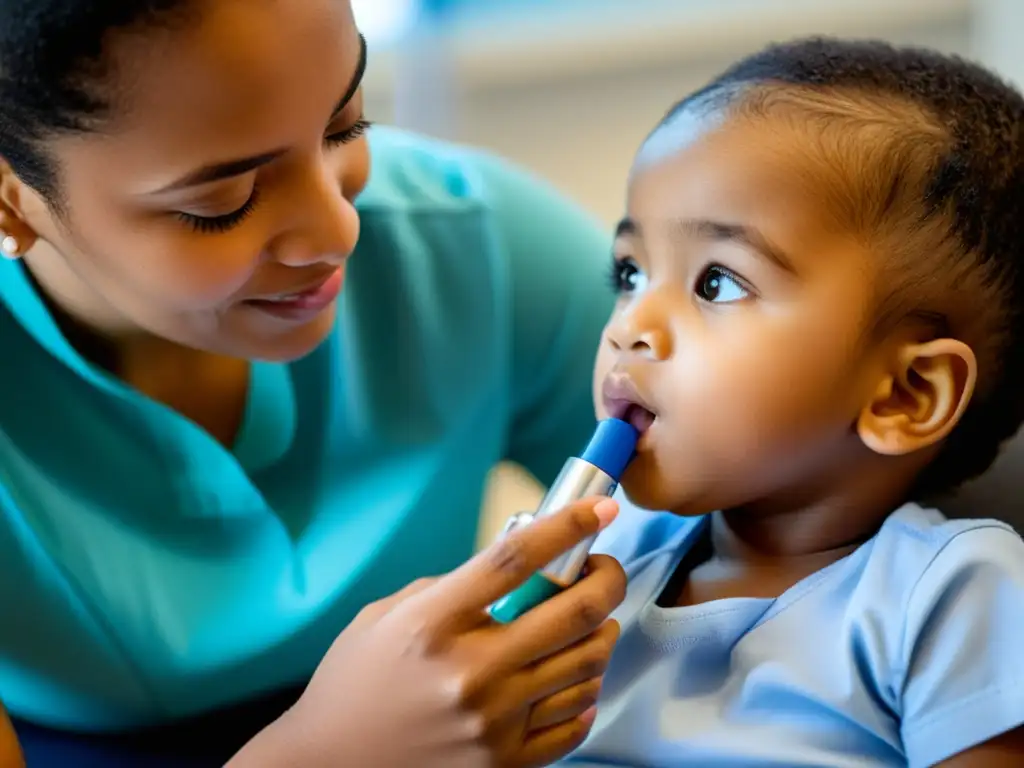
(511, 560)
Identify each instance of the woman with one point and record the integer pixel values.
(209, 466)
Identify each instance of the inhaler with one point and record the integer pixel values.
(595, 473)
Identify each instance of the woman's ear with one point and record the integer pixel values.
(921, 400)
(16, 236)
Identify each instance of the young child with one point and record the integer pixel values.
(820, 327)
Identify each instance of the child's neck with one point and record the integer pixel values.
(765, 549)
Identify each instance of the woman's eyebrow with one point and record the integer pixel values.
(236, 167)
(357, 80)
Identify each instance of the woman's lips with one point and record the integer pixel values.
(304, 305)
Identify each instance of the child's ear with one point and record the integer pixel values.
(919, 402)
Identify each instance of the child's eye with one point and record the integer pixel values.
(626, 277)
(719, 286)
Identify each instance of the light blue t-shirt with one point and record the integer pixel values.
(147, 573)
(906, 652)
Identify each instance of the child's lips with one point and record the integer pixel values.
(622, 401)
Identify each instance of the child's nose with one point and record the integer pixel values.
(633, 334)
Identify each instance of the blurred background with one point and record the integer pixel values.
(569, 88)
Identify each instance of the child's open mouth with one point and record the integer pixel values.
(621, 401)
(638, 416)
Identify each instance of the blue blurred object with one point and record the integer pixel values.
(612, 447)
(595, 473)
(437, 6)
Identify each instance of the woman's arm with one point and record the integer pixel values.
(10, 753)
(277, 746)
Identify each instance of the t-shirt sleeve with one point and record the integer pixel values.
(557, 257)
(964, 656)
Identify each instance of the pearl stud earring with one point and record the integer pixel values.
(9, 246)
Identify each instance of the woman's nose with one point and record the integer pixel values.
(327, 227)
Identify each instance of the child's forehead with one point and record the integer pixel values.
(734, 168)
(850, 162)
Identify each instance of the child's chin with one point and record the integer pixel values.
(649, 490)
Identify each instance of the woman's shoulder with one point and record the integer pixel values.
(460, 219)
(416, 173)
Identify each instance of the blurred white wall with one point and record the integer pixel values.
(571, 91)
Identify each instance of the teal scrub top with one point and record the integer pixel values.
(148, 573)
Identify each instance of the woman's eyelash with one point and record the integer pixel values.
(224, 222)
(353, 132)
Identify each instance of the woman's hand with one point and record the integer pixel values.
(426, 679)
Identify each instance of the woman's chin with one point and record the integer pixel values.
(288, 344)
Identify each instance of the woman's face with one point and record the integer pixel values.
(216, 210)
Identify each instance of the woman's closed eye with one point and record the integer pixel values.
(226, 221)
(222, 222)
(349, 134)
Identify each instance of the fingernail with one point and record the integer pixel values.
(606, 511)
(589, 716)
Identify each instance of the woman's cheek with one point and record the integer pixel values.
(208, 270)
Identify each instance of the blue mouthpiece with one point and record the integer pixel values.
(612, 447)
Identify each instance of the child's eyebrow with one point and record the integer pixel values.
(749, 237)
(708, 229)
(626, 227)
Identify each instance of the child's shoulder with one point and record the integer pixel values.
(959, 646)
(921, 539)
(929, 546)
(928, 524)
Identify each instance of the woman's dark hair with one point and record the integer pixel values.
(55, 76)
(941, 145)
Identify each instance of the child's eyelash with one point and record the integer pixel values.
(224, 222)
(620, 273)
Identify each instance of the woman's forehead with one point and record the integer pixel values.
(244, 78)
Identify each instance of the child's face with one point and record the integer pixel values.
(742, 320)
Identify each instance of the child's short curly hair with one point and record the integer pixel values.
(929, 158)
